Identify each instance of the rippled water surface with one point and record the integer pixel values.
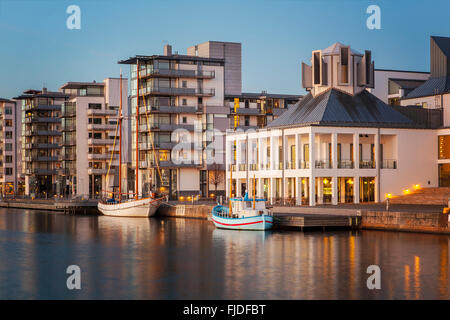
(134, 258)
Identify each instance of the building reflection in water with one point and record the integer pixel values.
(127, 258)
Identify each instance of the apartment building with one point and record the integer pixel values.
(338, 144)
(183, 98)
(11, 177)
(90, 138)
(41, 140)
(257, 110)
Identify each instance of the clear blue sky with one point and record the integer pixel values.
(36, 48)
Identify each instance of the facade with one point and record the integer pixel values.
(257, 110)
(184, 103)
(339, 144)
(41, 140)
(11, 177)
(434, 97)
(393, 85)
(90, 144)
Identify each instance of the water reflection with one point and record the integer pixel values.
(126, 258)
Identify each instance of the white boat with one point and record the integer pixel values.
(132, 208)
(246, 214)
(137, 207)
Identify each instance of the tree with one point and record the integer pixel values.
(216, 176)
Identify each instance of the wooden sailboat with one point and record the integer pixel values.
(137, 207)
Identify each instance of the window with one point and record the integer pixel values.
(344, 62)
(8, 146)
(247, 121)
(8, 134)
(444, 147)
(8, 123)
(8, 159)
(95, 120)
(8, 110)
(184, 119)
(184, 102)
(8, 171)
(316, 67)
(184, 84)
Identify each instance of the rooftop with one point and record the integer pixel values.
(431, 87)
(133, 60)
(254, 95)
(336, 108)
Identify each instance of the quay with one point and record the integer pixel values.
(399, 217)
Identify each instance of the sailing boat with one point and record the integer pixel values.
(137, 207)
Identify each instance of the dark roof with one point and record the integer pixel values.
(443, 43)
(396, 70)
(253, 95)
(6, 100)
(133, 60)
(407, 83)
(79, 85)
(336, 108)
(431, 87)
(39, 93)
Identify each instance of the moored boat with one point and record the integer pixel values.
(133, 208)
(245, 214)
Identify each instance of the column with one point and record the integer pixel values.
(334, 150)
(272, 153)
(312, 190)
(356, 150)
(297, 150)
(272, 189)
(312, 151)
(298, 191)
(238, 188)
(238, 154)
(320, 191)
(356, 189)
(334, 190)
(260, 188)
(377, 166)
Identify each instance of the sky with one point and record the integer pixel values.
(37, 49)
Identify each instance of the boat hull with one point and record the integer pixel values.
(263, 222)
(136, 208)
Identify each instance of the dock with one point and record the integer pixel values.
(75, 206)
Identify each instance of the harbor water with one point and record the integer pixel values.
(175, 258)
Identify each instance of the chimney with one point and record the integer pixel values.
(167, 50)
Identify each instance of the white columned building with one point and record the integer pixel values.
(340, 143)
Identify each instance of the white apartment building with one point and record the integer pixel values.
(90, 144)
(339, 144)
(11, 177)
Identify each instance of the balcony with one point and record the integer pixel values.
(41, 146)
(31, 107)
(69, 142)
(253, 167)
(68, 157)
(290, 165)
(101, 127)
(242, 167)
(178, 91)
(101, 112)
(101, 156)
(389, 164)
(69, 127)
(167, 109)
(100, 141)
(100, 171)
(31, 133)
(303, 164)
(174, 73)
(44, 172)
(367, 164)
(323, 164)
(345, 164)
(35, 119)
(41, 158)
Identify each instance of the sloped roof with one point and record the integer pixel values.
(431, 87)
(407, 83)
(336, 108)
(443, 43)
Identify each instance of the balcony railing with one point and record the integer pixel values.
(177, 73)
(345, 164)
(304, 164)
(389, 164)
(242, 167)
(253, 167)
(290, 165)
(367, 164)
(178, 91)
(323, 164)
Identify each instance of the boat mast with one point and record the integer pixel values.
(137, 131)
(254, 192)
(120, 139)
(231, 186)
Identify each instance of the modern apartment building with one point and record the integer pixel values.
(11, 177)
(90, 144)
(257, 110)
(338, 144)
(41, 140)
(183, 98)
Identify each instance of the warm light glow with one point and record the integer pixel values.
(303, 181)
(181, 198)
(407, 191)
(325, 181)
(350, 181)
(212, 195)
(189, 198)
(389, 195)
(162, 189)
(416, 186)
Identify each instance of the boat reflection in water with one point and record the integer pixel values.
(128, 258)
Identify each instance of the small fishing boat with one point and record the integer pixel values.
(243, 214)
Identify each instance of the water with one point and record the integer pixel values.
(133, 258)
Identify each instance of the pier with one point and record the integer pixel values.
(65, 206)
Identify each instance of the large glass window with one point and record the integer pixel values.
(444, 175)
(444, 147)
